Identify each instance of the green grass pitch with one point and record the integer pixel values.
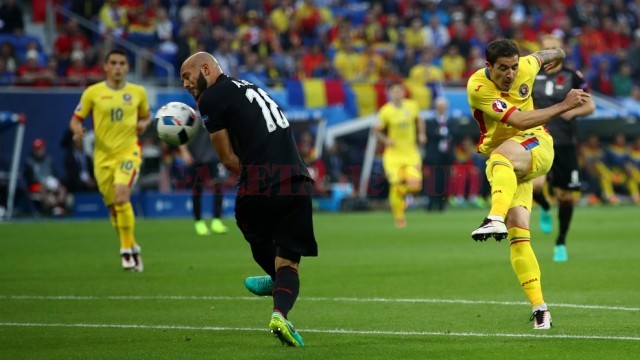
(375, 292)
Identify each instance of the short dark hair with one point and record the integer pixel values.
(117, 52)
(393, 83)
(500, 48)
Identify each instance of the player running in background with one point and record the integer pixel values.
(204, 171)
(273, 207)
(120, 113)
(398, 129)
(519, 150)
(550, 89)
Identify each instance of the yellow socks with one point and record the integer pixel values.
(525, 264)
(397, 201)
(125, 224)
(113, 217)
(503, 184)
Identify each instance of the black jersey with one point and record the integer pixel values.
(552, 89)
(258, 130)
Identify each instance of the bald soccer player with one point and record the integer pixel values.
(273, 207)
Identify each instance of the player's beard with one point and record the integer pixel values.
(201, 85)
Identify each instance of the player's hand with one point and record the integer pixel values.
(576, 98)
(142, 126)
(187, 158)
(422, 139)
(77, 135)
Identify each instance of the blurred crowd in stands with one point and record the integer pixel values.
(425, 42)
(355, 40)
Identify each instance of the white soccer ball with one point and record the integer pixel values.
(177, 123)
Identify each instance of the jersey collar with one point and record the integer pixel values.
(116, 89)
(486, 72)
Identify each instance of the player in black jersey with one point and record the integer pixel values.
(273, 207)
(550, 88)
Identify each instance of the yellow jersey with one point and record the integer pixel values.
(400, 124)
(491, 107)
(115, 114)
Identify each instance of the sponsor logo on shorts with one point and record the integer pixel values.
(205, 119)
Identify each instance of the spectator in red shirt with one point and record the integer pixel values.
(69, 40)
(312, 59)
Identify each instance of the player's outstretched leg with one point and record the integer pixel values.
(259, 285)
(504, 184)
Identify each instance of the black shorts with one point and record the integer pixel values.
(564, 173)
(282, 219)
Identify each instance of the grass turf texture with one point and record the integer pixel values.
(63, 294)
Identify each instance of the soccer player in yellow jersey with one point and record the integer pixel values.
(120, 112)
(398, 129)
(519, 150)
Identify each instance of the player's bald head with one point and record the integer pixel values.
(198, 72)
(200, 60)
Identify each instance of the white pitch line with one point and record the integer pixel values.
(319, 299)
(326, 331)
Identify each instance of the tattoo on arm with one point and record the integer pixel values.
(549, 56)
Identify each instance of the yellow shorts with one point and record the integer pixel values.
(541, 147)
(121, 169)
(402, 170)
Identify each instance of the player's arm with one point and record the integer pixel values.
(421, 125)
(550, 60)
(381, 135)
(588, 108)
(81, 112)
(222, 144)
(523, 120)
(144, 115)
(76, 127)
(185, 154)
(380, 130)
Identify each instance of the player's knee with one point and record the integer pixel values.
(414, 186)
(122, 195)
(565, 196)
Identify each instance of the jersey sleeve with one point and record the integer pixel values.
(531, 64)
(84, 106)
(491, 105)
(210, 112)
(143, 107)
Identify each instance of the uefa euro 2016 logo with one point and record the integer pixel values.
(499, 106)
